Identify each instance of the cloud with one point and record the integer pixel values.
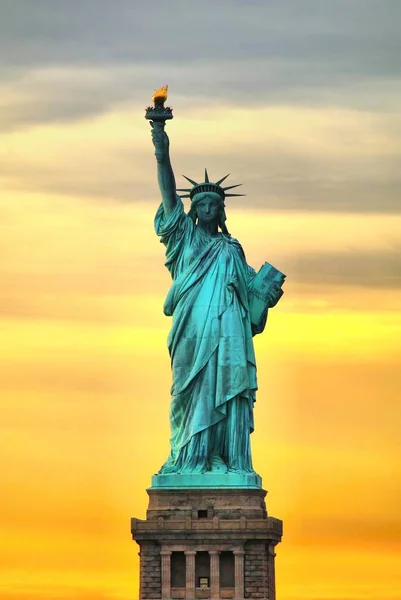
(303, 100)
(341, 35)
(290, 158)
(58, 95)
(60, 63)
(54, 94)
(369, 269)
(99, 262)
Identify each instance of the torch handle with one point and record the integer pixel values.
(158, 128)
(158, 125)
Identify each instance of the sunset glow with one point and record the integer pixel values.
(85, 374)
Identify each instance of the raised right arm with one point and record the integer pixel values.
(165, 175)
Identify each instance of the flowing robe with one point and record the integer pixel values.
(211, 348)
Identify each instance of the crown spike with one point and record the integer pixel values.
(184, 196)
(222, 179)
(191, 180)
(231, 195)
(206, 176)
(230, 187)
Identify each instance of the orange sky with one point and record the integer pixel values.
(86, 420)
(85, 376)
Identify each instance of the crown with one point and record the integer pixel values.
(208, 186)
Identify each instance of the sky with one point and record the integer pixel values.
(299, 101)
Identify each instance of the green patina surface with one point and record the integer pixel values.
(211, 339)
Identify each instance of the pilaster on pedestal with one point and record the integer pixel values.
(239, 573)
(214, 574)
(166, 574)
(190, 574)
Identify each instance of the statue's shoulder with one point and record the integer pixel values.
(235, 244)
(175, 222)
(233, 241)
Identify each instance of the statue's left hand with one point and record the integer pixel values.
(275, 294)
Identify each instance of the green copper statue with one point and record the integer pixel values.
(217, 306)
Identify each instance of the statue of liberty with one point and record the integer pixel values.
(211, 339)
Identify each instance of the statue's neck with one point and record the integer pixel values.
(209, 229)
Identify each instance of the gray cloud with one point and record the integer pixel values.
(62, 62)
(271, 181)
(83, 31)
(47, 95)
(333, 274)
(379, 269)
(254, 53)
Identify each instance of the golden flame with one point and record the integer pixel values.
(160, 94)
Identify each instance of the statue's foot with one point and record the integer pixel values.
(217, 465)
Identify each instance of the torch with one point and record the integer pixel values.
(158, 114)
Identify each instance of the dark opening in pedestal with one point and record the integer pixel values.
(177, 570)
(202, 565)
(227, 569)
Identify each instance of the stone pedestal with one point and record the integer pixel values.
(207, 543)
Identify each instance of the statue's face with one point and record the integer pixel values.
(208, 207)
